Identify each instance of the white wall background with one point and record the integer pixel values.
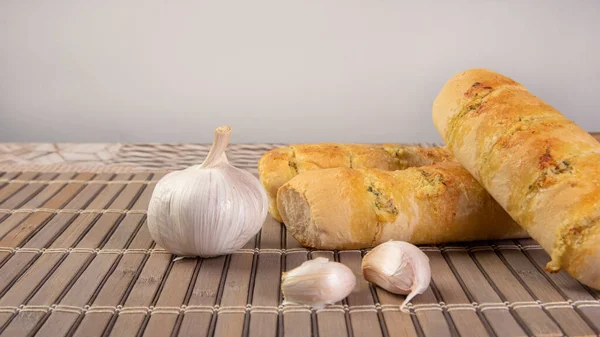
(278, 71)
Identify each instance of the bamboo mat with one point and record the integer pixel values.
(76, 259)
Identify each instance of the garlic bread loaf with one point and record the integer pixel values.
(542, 168)
(344, 208)
(278, 166)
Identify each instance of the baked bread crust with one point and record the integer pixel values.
(543, 169)
(279, 166)
(345, 208)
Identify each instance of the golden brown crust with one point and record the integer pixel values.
(347, 208)
(541, 167)
(278, 166)
(347, 219)
(275, 168)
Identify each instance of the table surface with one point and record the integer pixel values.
(76, 259)
(173, 156)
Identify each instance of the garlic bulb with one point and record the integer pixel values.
(317, 283)
(398, 267)
(209, 209)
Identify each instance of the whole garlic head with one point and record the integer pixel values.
(317, 283)
(209, 209)
(398, 267)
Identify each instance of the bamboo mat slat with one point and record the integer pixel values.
(77, 259)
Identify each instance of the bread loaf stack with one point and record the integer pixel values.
(513, 167)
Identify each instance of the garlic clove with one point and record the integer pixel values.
(398, 267)
(317, 283)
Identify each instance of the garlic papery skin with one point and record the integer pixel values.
(398, 267)
(209, 209)
(317, 283)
